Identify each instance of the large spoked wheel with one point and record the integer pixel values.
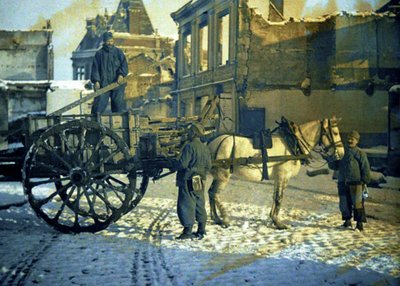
(77, 178)
(141, 181)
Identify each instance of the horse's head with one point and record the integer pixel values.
(330, 139)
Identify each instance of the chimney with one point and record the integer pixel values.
(106, 16)
(134, 18)
(89, 23)
(91, 27)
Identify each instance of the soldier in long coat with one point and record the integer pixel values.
(109, 66)
(195, 159)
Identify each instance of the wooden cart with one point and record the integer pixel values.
(81, 172)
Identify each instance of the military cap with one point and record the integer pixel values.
(107, 35)
(354, 134)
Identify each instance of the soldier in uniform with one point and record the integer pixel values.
(109, 66)
(193, 163)
(354, 172)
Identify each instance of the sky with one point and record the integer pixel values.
(68, 19)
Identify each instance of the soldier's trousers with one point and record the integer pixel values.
(351, 201)
(191, 206)
(117, 101)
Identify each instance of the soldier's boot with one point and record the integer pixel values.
(201, 230)
(186, 233)
(360, 226)
(347, 223)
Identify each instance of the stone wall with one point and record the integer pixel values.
(358, 111)
(345, 52)
(22, 102)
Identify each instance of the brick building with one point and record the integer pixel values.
(134, 34)
(265, 64)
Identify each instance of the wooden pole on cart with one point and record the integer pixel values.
(91, 96)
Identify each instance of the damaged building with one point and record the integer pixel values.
(133, 32)
(264, 65)
(26, 68)
(26, 55)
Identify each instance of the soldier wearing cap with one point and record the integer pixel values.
(109, 66)
(195, 160)
(354, 172)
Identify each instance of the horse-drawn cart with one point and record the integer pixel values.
(82, 172)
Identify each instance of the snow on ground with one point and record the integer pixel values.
(140, 248)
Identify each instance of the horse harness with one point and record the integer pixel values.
(293, 136)
(303, 147)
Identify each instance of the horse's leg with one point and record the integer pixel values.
(211, 197)
(280, 185)
(216, 205)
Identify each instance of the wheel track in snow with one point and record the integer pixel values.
(19, 272)
(149, 257)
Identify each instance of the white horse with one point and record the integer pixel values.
(320, 132)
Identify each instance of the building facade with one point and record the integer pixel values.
(263, 65)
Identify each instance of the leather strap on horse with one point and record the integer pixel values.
(232, 154)
(264, 154)
(286, 130)
(293, 137)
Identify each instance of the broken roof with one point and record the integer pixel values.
(330, 16)
(24, 85)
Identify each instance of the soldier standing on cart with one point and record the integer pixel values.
(192, 166)
(109, 66)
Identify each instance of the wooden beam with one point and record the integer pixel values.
(90, 96)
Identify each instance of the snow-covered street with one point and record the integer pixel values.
(140, 248)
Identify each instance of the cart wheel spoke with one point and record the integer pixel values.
(42, 202)
(91, 203)
(52, 168)
(114, 189)
(81, 145)
(97, 166)
(63, 204)
(44, 182)
(111, 178)
(68, 148)
(52, 152)
(76, 206)
(103, 197)
(108, 210)
(95, 151)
